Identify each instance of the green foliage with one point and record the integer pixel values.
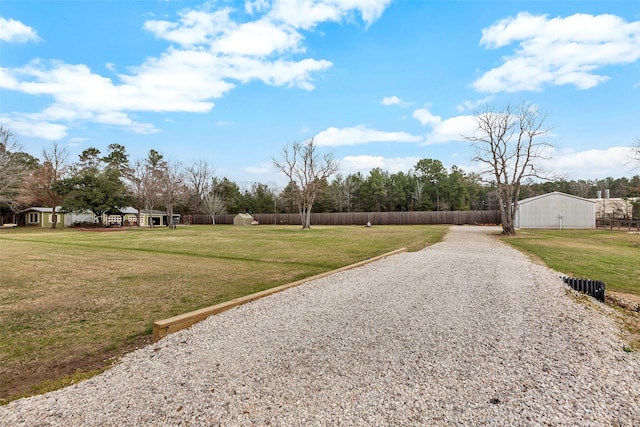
(97, 184)
(15, 168)
(258, 198)
(230, 193)
(100, 183)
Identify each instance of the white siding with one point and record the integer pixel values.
(556, 210)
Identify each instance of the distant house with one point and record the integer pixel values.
(43, 217)
(615, 208)
(556, 210)
(129, 216)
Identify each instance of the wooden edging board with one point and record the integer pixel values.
(162, 328)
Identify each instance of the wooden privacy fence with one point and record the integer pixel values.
(361, 218)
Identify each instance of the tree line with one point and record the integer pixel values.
(508, 143)
(103, 182)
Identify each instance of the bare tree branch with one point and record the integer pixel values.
(306, 170)
(198, 178)
(635, 152)
(41, 187)
(510, 145)
(172, 188)
(15, 167)
(213, 205)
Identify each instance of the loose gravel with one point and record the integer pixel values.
(466, 332)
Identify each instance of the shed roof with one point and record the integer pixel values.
(43, 210)
(133, 211)
(554, 194)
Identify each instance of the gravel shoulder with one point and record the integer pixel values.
(465, 332)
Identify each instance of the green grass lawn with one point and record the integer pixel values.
(610, 256)
(69, 300)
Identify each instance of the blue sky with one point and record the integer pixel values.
(380, 83)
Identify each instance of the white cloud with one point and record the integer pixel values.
(32, 127)
(259, 38)
(394, 100)
(256, 6)
(426, 118)
(557, 51)
(364, 163)
(210, 55)
(447, 130)
(391, 100)
(179, 80)
(334, 137)
(277, 73)
(591, 164)
(12, 31)
(472, 105)
(306, 14)
(120, 119)
(195, 27)
(7, 80)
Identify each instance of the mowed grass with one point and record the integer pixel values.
(70, 300)
(610, 256)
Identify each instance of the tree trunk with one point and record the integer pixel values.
(304, 218)
(170, 223)
(307, 220)
(508, 230)
(54, 218)
(507, 209)
(149, 210)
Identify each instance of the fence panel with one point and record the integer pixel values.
(361, 218)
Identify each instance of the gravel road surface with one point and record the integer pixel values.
(465, 332)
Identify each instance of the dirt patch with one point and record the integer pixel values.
(629, 307)
(629, 297)
(627, 301)
(31, 383)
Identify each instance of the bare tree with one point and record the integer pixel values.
(198, 178)
(213, 205)
(508, 143)
(343, 191)
(417, 194)
(15, 167)
(145, 183)
(42, 184)
(306, 170)
(172, 188)
(152, 183)
(635, 151)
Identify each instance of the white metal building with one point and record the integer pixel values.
(556, 210)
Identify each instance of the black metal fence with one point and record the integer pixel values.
(361, 218)
(593, 288)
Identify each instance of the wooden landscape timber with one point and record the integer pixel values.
(162, 328)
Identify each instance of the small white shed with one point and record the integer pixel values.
(242, 219)
(556, 210)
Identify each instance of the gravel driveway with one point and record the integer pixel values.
(465, 332)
